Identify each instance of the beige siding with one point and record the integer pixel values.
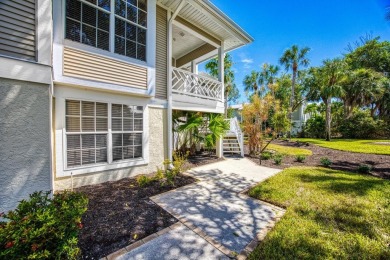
(17, 28)
(161, 53)
(85, 65)
(199, 52)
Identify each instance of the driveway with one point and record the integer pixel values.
(217, 219)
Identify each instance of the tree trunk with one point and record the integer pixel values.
(328, 119)
(294, 76)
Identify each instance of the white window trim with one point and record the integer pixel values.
(59, 42)
(62, 95)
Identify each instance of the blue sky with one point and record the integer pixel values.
(325, 26)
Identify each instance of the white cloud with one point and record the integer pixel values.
(247, 61)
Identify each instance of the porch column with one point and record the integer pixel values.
(170, 18)
(219, 147)
(221, 67)
(194, 67)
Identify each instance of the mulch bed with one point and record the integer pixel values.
(121, 213)
(341, 160)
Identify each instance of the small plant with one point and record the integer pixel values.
(43, 227)
(266, 155)
(159, 174)
(144, 180)
(300, 158)
(278, 159)
(325, 161)
(364, 168)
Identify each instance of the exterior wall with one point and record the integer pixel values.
(161, 53)
(157, 154)
(24, 141)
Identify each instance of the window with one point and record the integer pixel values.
(87, 130)
(88, 22)
(130, 28)
(127, 126)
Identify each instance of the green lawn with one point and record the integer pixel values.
(288, 150)
(330, 215)
(357, 146)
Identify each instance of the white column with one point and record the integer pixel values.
(219, 147)
(194, 67)
(221, 67)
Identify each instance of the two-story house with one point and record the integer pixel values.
(87, 87)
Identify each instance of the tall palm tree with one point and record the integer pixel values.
(212, 68)
(292, 59)
(325, 84)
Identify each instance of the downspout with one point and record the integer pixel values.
(171, 17)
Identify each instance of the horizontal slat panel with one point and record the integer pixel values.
(98, 68)
(7, 8)
(17, 28)
(161, 53)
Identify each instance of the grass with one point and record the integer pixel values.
(288, 150)
(330, 215)
(356, 146)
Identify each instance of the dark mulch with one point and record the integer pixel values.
(120, 213)
(341, 160)
(201, 159)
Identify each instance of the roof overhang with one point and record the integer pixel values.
(207, 17)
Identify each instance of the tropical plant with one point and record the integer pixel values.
(44, 226)
(251, 82)
(217, 126)
(324, 84)
(292, 59)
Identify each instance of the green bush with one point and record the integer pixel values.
(144, 180)
(362, 125)
(315, 127)
(43, 227)
(300, 158)
(364, 168)
(278, 159)
(325, 161)
(266, 155)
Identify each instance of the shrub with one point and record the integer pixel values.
(364, 168)
(179, 162)
(325, 161)
(266, 155)
(315, 127)
(43, 227)
(301, 158)
(278, 159)
(144, 180)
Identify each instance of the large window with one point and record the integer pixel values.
(87, 130)
(88, 22)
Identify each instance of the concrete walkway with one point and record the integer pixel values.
(218, 220)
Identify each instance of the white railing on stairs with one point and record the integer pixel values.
(236, 130)
(187, 83)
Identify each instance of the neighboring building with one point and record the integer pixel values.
(87, 87)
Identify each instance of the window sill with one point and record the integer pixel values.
(102, 167)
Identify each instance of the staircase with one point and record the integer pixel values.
(233, 141)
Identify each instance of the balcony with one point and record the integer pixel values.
(194, 85)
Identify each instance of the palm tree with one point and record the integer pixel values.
(325, 84)
(251, 82)
(270, 72)
(293, 58)
(212, 68)
(361, 87)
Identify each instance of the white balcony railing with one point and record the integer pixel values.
(190, 84)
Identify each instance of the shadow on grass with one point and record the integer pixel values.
(333, 182)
